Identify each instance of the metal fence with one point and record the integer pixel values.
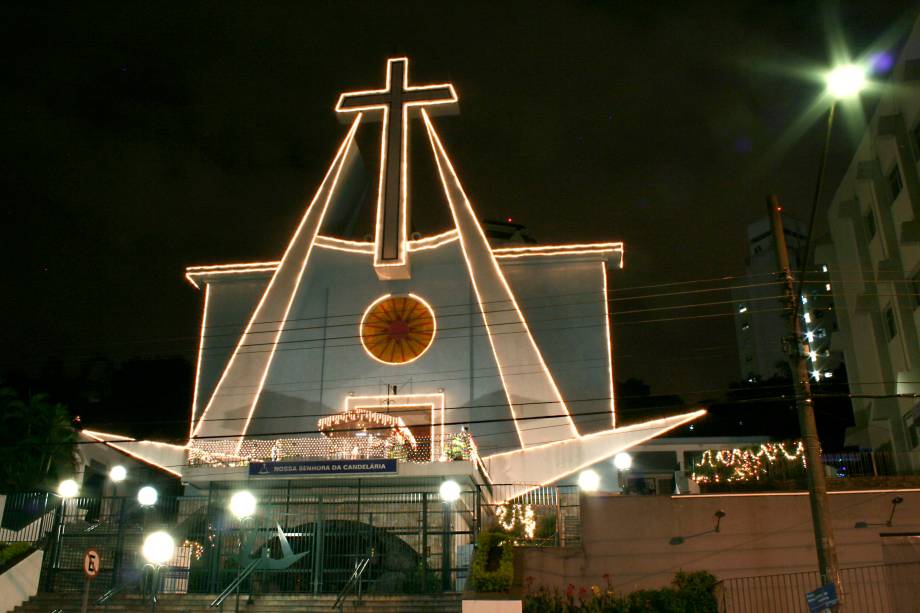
(312, 533)
(27, 517)
(886, 588)
(543, 516)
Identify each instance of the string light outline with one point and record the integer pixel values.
(204, 322)
(440, 153)
(436, 401)
(339, 160)
(434, 329)
(402, 259)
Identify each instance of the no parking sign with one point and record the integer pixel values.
(91, 563)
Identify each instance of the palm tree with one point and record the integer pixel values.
(37, 441)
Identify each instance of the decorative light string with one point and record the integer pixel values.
(744, 464)
(517, 514)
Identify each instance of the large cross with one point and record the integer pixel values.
(392, 104)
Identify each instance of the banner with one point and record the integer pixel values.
(321, 467)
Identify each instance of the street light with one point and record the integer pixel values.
(118, 474)
(449, 491)
(589, 481)
(147, 496)
(243, 506)
(158, 549)
(622, 460)
(68, 488)
(845, 81)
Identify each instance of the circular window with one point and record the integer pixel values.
(397, 329)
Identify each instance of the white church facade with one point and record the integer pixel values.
(402, 354)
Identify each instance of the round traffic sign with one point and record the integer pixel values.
(91, 563)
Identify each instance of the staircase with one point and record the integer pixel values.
(69, 602)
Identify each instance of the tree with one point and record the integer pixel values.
(37, 441)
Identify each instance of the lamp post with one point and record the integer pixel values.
(117, 474)
(158, 549)
(843, 82)
(67, 489)
(589, 481)
(622, 462)
(147, 496)
(449, 492)
(243, 507)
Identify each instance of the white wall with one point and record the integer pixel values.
(20, 583)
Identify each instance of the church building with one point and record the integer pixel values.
(352, 369)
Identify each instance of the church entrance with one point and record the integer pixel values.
(310, 536)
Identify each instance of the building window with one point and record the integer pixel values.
(890, 324)
(894, 181)
(870, 225)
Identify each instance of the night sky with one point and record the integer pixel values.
(142, 138)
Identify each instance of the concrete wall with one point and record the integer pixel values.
(628, 537)
(20, 583)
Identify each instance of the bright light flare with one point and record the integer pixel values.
(589, 481)
(846, 81)
(118, 474)
(449, 491)
(68, 488)
(147, 496)
(622, 460)
(243, 504)
(159, 547)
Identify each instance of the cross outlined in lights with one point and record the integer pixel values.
(392, 104)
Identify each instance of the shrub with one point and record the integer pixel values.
(493, 562)
(691, 593)
(10, 551)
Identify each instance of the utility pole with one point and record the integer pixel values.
(814, 468)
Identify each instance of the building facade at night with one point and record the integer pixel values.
(759, 328)
(380, 397)
(874, 263)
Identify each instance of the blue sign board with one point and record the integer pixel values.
(321, 467)
(822, 599)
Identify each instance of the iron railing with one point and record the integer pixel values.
(884, 588)
(353, 584)
(27, 517)
(235, 584)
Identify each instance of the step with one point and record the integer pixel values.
(275, 603)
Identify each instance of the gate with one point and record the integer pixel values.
(312, 535)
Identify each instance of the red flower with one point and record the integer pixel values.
(570, 590)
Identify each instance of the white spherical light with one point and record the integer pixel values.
(158, 547)
(622, 460)
(68, 488)
(449, 491)
(846, 81)
(589, 481)
(147, 496)
(118, 474)
(243, 504)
